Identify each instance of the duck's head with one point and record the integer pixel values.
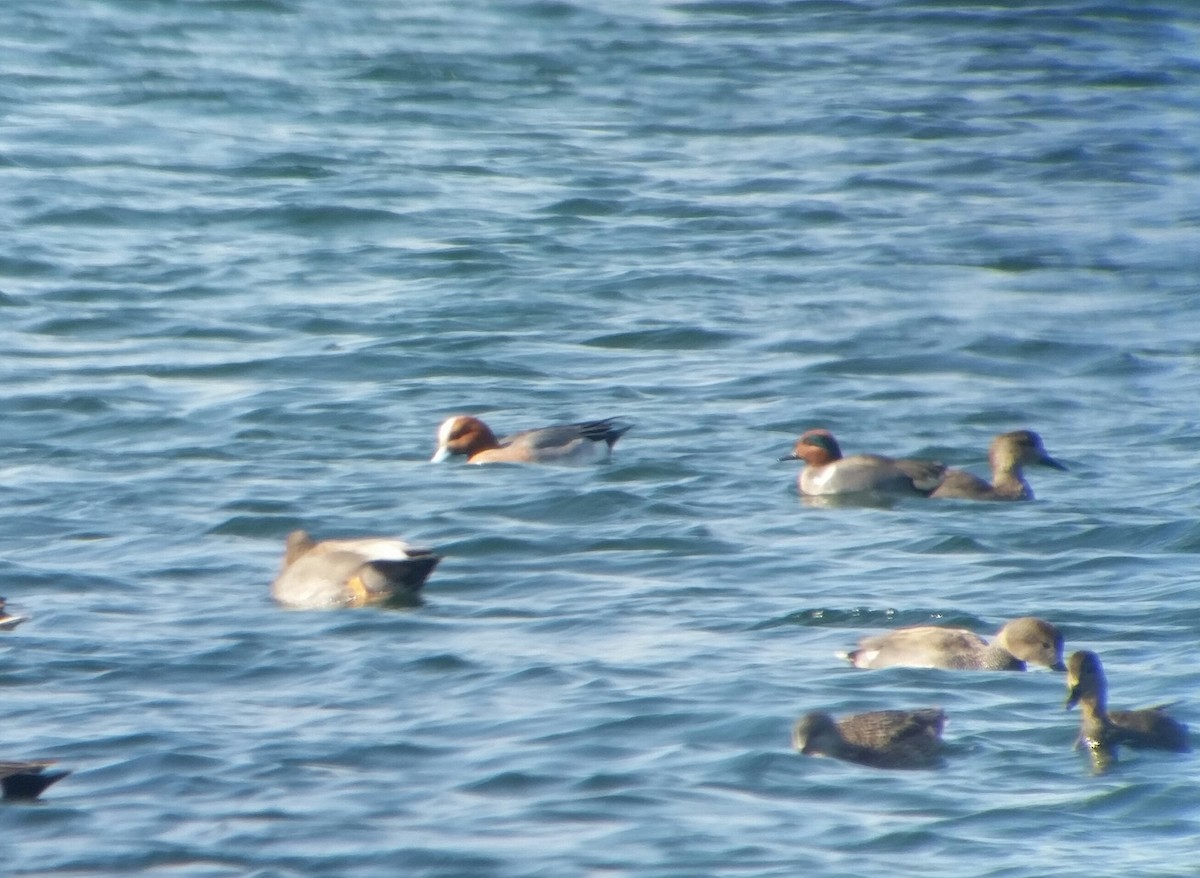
(1033, 640)
(463, 434)
(816, 448)
(816, 734)
(1021, 448)
(1085, 679)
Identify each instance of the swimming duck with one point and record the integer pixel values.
(1102, 730)
(9, 621)
(1027, 639)
(350, 573)
(881, 739)
(828, 472)
(27, 779)
(1009, 452)
(585, 442)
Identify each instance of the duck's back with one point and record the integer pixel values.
(861, 473)
(928, 646)
(962, 485)
(352, 572)
(894, 738)
(1151, 728)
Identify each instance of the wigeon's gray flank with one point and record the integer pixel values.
(26, 779)
(881, 739)
(826, 471)
(1102, 730)
(350, 573)
(1008, 454)
(1019, 641)
(585, 442)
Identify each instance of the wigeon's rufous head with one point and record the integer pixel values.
(465, 435)
(816, 448)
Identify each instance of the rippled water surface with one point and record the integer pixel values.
(254, 251)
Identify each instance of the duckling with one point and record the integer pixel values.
(1102, 730)
(880, 739)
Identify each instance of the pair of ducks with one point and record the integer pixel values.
(913, 738)
(828, 471)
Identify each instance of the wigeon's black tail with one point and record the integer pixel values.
(29, 782)
(608, 430)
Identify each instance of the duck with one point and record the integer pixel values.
(9, 621)
(1102, 730)
(580, 443)
(1008, 454)
(27, 779)
(351, 572)
(880, 739)
(827, 471)
(1017, 643)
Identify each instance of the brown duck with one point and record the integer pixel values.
(1008, 454)
(881, 739)
(1102, 730)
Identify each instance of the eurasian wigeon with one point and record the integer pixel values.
(828, 472)
(585, 442)
(28, 778)
(881, 739)
(1009, 452)
(1022, 640)
(9, 621)
(1102, 730)
(350, 573)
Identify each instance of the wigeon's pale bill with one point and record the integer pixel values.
(350, 573)
(826, 471)
(881, 739)
(1008, 454)
(1021, 641)
(9, 621)
(1102, 730)
(27, 779)
(585, 442)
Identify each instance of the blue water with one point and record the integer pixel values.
(254, 251)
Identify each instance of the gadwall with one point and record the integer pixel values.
(882, 739)
(826, 471)
(585, 442)
(27, 779)
(1020, 641)
(1009, 452)
(350, 573)
(1102, 730)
